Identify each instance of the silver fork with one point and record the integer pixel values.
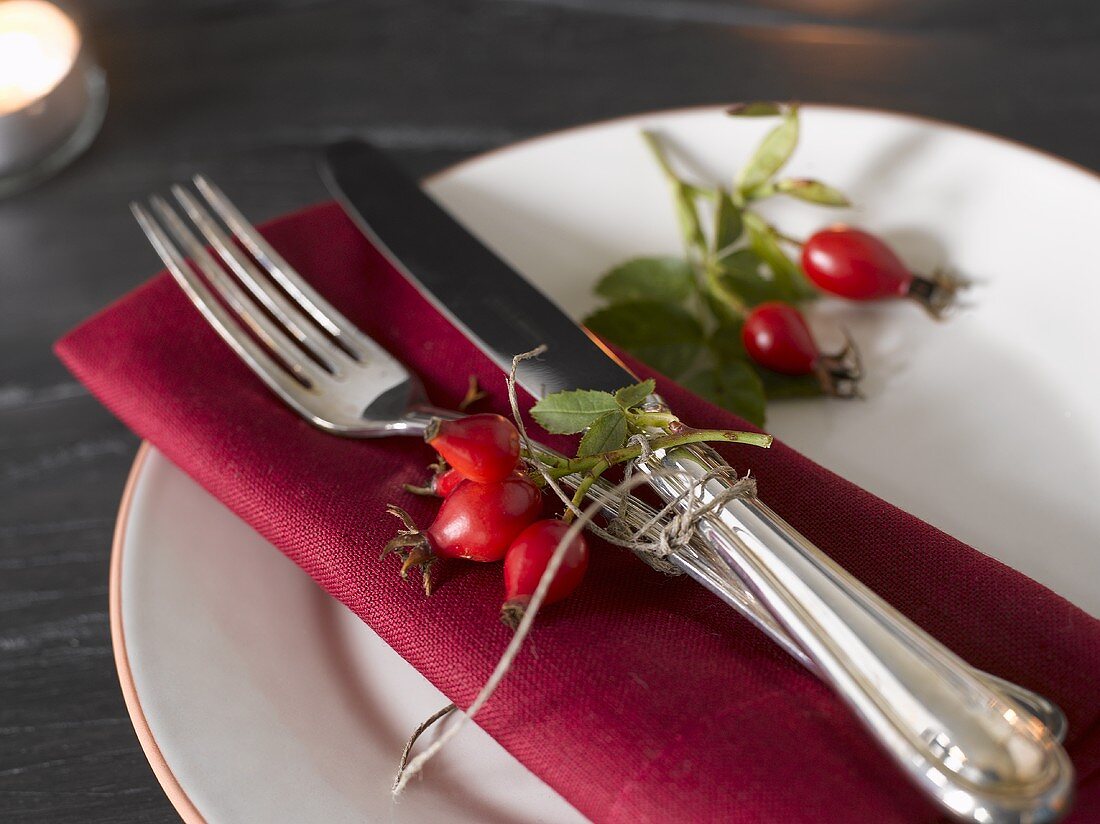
(336, 377)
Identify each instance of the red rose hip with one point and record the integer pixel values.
(776, 336)
(527, 560)
(446, 482)
(476, 522)
(857, 265)
(479, 521)
(482, 448)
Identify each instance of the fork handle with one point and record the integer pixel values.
(962, 742)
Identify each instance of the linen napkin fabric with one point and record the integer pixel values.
(648, 700)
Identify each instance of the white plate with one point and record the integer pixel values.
(260, 699)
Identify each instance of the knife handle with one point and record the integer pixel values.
(968, 747)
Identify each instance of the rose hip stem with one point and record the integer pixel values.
(685, 436)
(592, 466)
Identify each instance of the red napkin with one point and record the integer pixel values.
(647, 698)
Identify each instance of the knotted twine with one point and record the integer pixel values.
(667, 530)
(654, 540)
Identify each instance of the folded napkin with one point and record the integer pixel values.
(648, 699)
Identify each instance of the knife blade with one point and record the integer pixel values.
(494, 306)
(981, 756)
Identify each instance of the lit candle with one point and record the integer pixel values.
(38, 46)
(52, 96)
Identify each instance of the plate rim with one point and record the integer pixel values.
(177, 795)
(701, 108)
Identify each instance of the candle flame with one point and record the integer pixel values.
(38, 44)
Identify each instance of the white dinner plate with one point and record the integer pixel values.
(258, 698)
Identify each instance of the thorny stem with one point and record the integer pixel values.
(627, 453)
(582, 489)
(662, 420)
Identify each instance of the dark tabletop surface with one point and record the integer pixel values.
(248, 91)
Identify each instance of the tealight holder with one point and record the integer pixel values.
(53, 95)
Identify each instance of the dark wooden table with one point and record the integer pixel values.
(248, 91)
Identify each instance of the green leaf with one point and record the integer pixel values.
(572, 410)
(631, 396)
(791, 284)
(607, 432)
(653, 278)
(774, 150)
(813, 191)
(688, 216)
(734, 386)
(746, 274)
(664, 335)
(728, 225)
(725, 341)
(719, 305)
(785, 387)
(754, 109)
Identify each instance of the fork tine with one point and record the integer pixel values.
(322, 312)
(249, 351)
(328, 354)
(229, 289)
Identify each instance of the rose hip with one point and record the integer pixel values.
(854, 264)
(476, 522)
(482, 448)
(446, 482)
(857, 265)
(776, 337)
(440, 485)
(527, 560)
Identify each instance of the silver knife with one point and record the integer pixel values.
(980, 755)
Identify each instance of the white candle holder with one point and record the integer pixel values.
(53, 95)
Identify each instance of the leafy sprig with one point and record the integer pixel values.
(683, 315)
(609, 420)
